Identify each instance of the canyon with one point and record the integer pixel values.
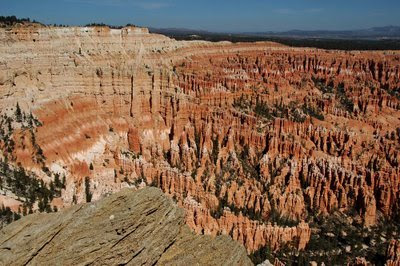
(252, 140)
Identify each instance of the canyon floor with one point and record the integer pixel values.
(293, 152)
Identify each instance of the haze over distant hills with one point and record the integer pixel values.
(387, 32)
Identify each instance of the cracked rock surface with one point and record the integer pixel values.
(141, 227)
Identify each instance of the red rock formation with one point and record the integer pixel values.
(393, 253)
(252, 234)
(359, 262)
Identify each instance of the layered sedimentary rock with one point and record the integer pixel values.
(251, 139)
(131, 227)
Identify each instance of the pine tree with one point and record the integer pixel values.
(52, 190)
(87, 190)
(18, 114)
(57, 181)
(63, 182)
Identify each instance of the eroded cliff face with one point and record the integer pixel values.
(251, 139)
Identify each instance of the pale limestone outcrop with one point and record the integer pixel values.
(130, 227)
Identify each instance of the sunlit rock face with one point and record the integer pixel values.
(252, 139)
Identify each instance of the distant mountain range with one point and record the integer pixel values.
(376, 33)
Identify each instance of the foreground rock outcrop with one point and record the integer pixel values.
(141, 227)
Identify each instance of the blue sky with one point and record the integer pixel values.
(213, 15)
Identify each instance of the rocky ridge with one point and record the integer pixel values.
(141, 227)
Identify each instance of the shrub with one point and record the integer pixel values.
(260, 255)
(263, 110)
(314, 112)
(215, 150)
(346, 103)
